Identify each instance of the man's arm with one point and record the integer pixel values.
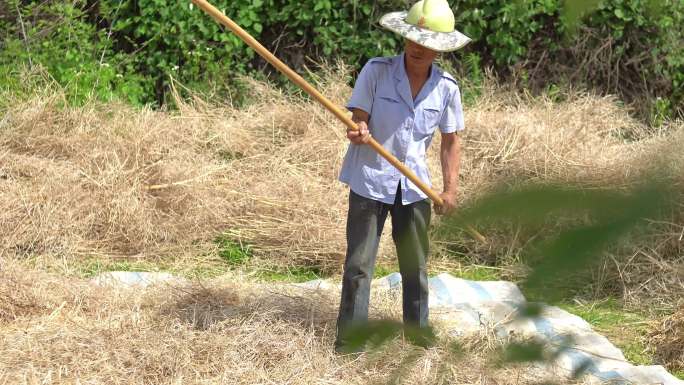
(450, 157)
(360, 117)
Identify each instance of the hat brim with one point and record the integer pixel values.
(437, 41)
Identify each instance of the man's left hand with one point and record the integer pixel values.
(449, 203)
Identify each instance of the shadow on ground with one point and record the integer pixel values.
(205, 307)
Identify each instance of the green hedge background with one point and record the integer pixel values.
(130, 49)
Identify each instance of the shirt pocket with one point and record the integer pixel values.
(430, 117)
(388, 99)
(388, 116)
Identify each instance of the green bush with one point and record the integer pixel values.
(132, 49)
(76, 54)
(170, 38)
(167, 39)
(633, 48)
(501, 31)
(646, 57)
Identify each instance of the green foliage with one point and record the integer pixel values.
(131, 49)
(74, 52)
(174, 39)
(201, 267)
(649, 35)
(679, 374)
(634, 48)
(477, 273)
(384, 270)
(345, 29)
(517, 352)
(167, 39)
(232, 251)
(472, 79)
(503, 30)
(471, 272)
(602, 218)
(91, 267)
(574, 11)
(374, 334)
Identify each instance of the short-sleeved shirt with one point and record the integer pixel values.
(403, 126)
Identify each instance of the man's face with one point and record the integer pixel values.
(419, 55)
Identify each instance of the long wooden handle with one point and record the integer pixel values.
(308, 88)
(282, 67)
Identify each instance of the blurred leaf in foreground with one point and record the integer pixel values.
(375, 333)
(600, 217)
(517, 352)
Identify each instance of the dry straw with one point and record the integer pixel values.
(114, 182)
(223, 332)
(667, 339)
(119, 183)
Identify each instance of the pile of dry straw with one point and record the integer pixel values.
(667, 339)
(111, 181)
(107, 179)
(228, 332)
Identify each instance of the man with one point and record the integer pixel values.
(399, 101)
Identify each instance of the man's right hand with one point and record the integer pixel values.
(360, 136)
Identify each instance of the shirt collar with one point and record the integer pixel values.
(400, 69)
(402, 83)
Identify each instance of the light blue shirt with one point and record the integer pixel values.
(403, 126)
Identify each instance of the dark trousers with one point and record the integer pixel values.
(365, 221)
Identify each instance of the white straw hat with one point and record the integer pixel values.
(429, 23)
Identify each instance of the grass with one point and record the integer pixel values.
(95, 266)
(233, 251)
(382, 270)
(98, 203)
(303, 274)
(469, 272)
(291, 274)
(203, 267)
(477, 273)
(230, 255)
(219, 178)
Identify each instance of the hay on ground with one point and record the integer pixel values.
(667, 341)
(113, 182)
(227, 331)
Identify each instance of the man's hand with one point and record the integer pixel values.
(449, 203)
(360, 136)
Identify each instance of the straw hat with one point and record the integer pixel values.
(429, 23)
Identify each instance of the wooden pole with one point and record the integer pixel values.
(308, 88)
